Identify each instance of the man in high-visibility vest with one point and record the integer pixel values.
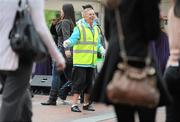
(85, 40)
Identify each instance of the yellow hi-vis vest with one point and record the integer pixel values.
(85, 51)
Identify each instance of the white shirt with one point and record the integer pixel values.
(8, 59)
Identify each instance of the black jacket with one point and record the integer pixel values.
(140, 23)
(64, 30)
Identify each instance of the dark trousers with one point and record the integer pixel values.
(126, 113)
(173, 111)
(16, 100)
(172, 78)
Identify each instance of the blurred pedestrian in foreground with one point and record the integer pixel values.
(140, 24)
(172, 73)
(64, 28)
(85, 40)
(16, 100)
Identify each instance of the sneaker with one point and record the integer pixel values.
(75, 109)
(65, 102)
(88, 107)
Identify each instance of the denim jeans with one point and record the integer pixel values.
(55, 85)
(59, 78)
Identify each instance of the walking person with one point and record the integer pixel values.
(172, 72)
(64, 28)
(140, 24)
(16, 100)
(85, 40)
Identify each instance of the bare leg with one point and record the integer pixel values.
(75, 98)
(86, 99)
(75, 107)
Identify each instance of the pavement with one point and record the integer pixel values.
(62, 113)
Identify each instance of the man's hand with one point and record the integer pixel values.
(103, 51)
(60, 64)
(65, 44)
(68, 53)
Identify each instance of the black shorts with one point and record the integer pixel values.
(82, 79)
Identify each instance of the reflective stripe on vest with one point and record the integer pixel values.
(85, 51)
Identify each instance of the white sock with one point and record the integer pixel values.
(85, 104)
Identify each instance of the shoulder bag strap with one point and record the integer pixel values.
(121, 38)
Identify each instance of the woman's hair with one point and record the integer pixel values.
(177, 8)
(69, 13)
(87, 6)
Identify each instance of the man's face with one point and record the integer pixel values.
(89, 15)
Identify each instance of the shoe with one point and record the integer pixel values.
(63, 97)
(65, 102)
(88, 108)
(75, 109)
(49, 102)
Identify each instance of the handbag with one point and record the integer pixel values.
(131, 85)
(24, 39)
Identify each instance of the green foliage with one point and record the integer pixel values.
(53, 14)
(49, 15)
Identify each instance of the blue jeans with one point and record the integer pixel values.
(58, 78)
(55, 85)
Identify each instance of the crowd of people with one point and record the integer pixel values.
(74, 47)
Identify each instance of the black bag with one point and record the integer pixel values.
(24, 39)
